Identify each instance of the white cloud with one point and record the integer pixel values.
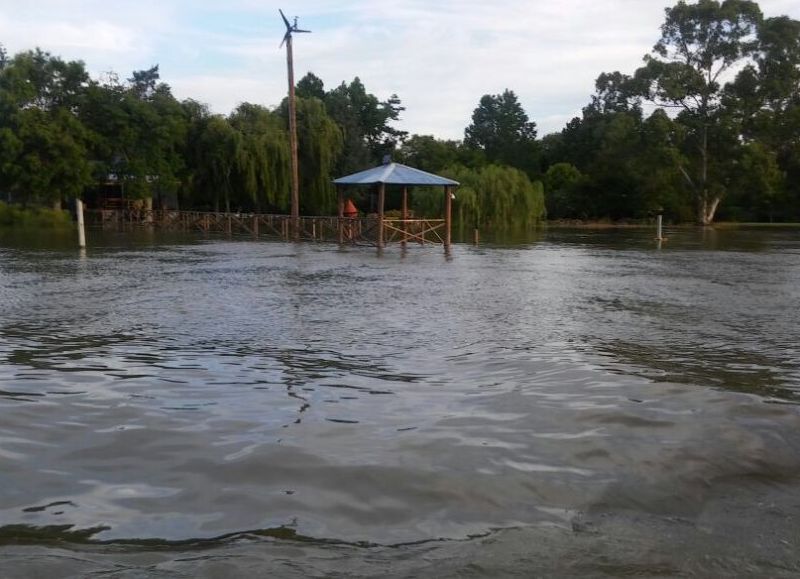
(439, 57)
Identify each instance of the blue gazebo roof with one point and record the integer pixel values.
(394, 174)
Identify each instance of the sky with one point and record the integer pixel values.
(438, 56)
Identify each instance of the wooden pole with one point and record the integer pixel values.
(381, 200)
(448, 208)
(341, 214)
(81, 229)
(293, 141)
(405, 215)
(659, 235)
(255, 225)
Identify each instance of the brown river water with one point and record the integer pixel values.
(579, 404)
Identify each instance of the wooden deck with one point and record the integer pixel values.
(359, 230)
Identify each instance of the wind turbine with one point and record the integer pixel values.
(287, 39)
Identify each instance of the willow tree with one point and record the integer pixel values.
(497, 197)
(319, 146)
(262, 164)
(216, 153)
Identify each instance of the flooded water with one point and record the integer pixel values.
(584, 404)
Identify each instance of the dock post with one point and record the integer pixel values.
(255, 226)
(659, 236)
(405, 215)
(340, 194)
(381, 200)
(448, 209)
(81, 229)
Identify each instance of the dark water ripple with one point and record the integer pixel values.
(585, 395)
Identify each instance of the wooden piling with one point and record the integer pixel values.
(81, 228)
(448, 209)
(381, 201)
(405, 216)
(340, 194)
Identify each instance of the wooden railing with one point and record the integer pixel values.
(315, 228)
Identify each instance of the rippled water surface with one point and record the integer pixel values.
(583, 404)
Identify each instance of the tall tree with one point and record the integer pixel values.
(699, 44)
(311, 86)
(262, 172)
(765, 100)
(42, 142)
(366, 125)
(142, 130)
(502, 130)
(320, 145)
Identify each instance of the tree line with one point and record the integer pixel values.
(708, 127)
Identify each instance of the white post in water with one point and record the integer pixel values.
(81, 231)
(658, 228)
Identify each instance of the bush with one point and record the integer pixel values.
(15, 216)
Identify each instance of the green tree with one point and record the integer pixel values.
(142, 132)
(428, 153)
(319, 147)
(366, 125)
(311, 86)
(262, 171)
(501, 129)
(699, 44)
(43, 144)
(765, 101)
(561, 185)
(757, 186)
(493, 196)
(216, 156)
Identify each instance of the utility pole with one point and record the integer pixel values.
(287, 39)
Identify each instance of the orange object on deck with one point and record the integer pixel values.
(350, 209)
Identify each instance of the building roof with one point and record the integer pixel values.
(394, 174)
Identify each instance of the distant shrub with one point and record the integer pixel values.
(16, 216)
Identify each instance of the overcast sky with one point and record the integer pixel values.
(438, 56)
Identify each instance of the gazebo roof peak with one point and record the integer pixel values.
(395, 174)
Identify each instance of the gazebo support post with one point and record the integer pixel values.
(448, 207)
(381, 202)
(405, 215)
(341, 214)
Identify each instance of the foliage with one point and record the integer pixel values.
(699, 44)
(320, 145)
(16, 216)
(492, 196)
(262, 160)
(43, 148)
(502, 131)
(364, 120)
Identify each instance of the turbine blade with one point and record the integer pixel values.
(288, 26)
(298, 30)
(285, 38)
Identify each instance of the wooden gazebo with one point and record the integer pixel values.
(403, 229)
